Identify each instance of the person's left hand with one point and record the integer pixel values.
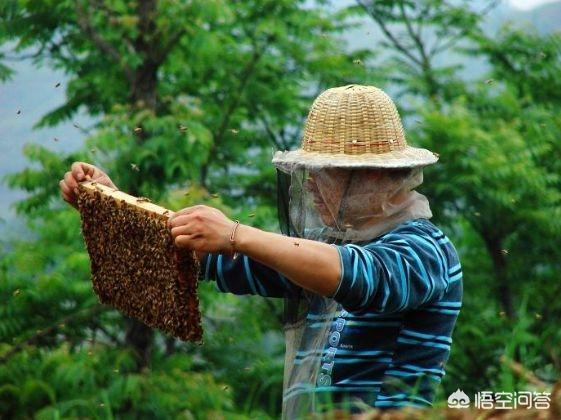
(202, 229)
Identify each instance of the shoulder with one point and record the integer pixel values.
(411, 230)
(421, 236)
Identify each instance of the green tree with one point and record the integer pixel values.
(188, 94)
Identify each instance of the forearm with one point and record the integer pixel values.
(310, 264)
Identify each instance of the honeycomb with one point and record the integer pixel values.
(136, 268)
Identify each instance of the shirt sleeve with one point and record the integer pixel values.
(244, 276)
(400, 272)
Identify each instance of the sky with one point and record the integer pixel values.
(528, 4)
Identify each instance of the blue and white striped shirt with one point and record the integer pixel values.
(399, 297)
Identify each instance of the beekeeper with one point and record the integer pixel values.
(372, 288)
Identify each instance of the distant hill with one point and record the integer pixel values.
(546, 18)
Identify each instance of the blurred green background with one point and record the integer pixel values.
(212, 88)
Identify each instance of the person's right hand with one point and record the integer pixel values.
(81, 171)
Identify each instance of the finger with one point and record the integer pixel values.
(65, 188)
(188, 210)
(78, 171)
(182, 230)
(181, 219)
(70, 181)
(186, 241)
(81, 169)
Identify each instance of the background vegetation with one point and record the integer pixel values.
(193, 96)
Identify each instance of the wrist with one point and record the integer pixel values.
(241, 240)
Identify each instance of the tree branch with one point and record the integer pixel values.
(83, 19)
(90, 311)
(398, 45)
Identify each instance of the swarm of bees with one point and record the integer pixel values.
(135, 266)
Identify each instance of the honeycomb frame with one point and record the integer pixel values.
(135, 266)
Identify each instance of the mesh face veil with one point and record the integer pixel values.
(336, 206)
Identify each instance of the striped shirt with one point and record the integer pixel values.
(399, 297)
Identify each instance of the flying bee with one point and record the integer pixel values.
(135, 167)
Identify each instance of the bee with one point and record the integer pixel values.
(214, 195)
(489, 81)
(57, 85)
(55, 139)
(504, 251)
(358, 62)
(137, 130)
(296, 244)
(16, 292)
(251, 215)
(182, 128)
(234, 131)
(19, 111)
(135, 167)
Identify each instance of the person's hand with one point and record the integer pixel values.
(202, 229)
(81, 171)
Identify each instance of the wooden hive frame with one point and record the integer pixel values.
(135, 266)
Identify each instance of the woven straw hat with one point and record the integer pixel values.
(354, 126)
